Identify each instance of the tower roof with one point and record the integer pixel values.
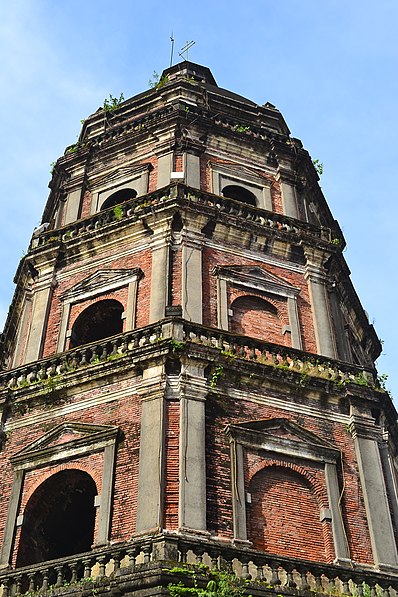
(191, 70)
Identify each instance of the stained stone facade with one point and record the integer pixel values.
(187, 372)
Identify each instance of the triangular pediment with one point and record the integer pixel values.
(121, 175)
(103, 280)
(240, 171)
(71, 438)
(282, 435)
(256, 277)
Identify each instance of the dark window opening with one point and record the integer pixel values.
(241, 194)
(119, 197)
(59, 518)
(101, 320)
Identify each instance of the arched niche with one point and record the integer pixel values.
(256, 317)
(118, 197)
(100, 320)
(284, 515)
(59, 518)
(239, 193)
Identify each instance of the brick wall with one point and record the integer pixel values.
(222, 410)
(213, 257)
(284, 516)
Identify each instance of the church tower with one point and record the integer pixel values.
(187, 372)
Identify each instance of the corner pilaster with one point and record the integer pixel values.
(366, 437)
(317, 286)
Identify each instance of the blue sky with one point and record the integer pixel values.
(331, 67)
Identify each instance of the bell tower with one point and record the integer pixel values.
(188, 374)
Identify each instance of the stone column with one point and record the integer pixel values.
(192, 170)
(192, 279)
(374, 489)
(106, 494)
(238, 491)
(192, 454)
(165, 167)
(72, 209)
(222, 304)
(159, 276)
(9, 531)
(22, 328)
(42, 295)
(316, 279)
(390, 474)
(289, 197)
(339, 536)
(294, 322)
(151, 464)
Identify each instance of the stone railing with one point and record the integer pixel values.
(178, 332)
(52, 369)
(138, 208)
(135, 561)
(233, 346)
(81, 570)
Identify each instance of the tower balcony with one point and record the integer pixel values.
(178, 338)
(148, 565)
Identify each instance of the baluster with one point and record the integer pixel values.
(73, 569)
(318, 583)
(304, 584)
(147, 549)
(199, 556)
(60, 576)
(18, 584)
(275, 580)
(359, 588)
(132, 553)
(214, 559)
(101, 560)
(290, 582)
(259, 572)
(117, 557)
(252, 353)
(245, 569)
(83, 359)
(32, 587)
(183, 554)
(104, 353)
(86, 567)
(94, 356)
(373, 592)
(6, 588)
(44, 585)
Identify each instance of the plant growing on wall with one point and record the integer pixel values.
(112, 103)
(220, 584)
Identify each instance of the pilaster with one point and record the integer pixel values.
(192, 455)
(151, 459)
(316, 279)
(366, 436)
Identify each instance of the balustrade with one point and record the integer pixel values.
(138, 207)
(51, 371)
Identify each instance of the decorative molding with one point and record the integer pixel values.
(283, 437)
(256, 278)
(102, 281)
(50, 448)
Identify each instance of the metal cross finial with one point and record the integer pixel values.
(172, 49)
(185, 48)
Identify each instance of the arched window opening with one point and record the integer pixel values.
(119, 197)
(256, 317)
(59, 518)
(283, 517)
(239, 194)
(101, 320)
